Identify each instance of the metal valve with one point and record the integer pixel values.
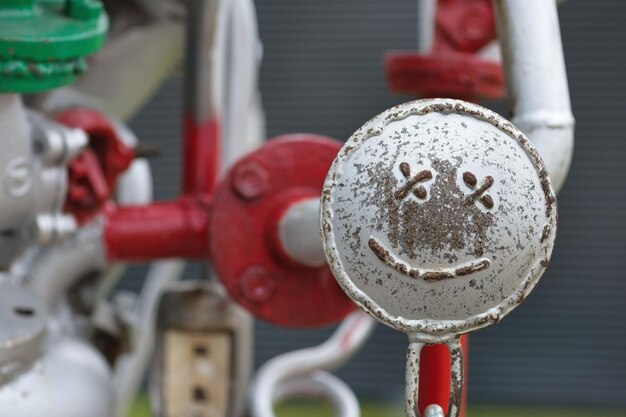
(438, 218)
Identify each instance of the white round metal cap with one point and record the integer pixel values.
(438, 217)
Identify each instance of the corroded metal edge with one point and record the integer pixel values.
(435, 331)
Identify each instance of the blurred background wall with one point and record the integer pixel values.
(322, 73)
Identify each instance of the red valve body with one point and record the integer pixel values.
(451, 68)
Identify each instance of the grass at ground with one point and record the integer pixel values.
(303, 409)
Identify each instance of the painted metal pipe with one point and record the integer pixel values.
(426, 10)
(532, 54)
(298, 233)
(274, 377)
(177, 229)
(204, 76)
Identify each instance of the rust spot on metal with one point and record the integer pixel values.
(474, 267)
(487, 201)
(420, 192)
(547, 191)
(478, 193)
(469, 179)
(391, 260)
(421, 176)
(413, 226)
(405, 169)
(434, 276)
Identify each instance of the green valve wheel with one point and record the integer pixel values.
(43, 44)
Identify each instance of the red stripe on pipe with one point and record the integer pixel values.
(201, 155)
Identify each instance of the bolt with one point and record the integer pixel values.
(474, 24)
(433, 411)
(256, 284)
(251, 180)
(53, 227)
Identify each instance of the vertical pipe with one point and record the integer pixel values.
(203, 95)
(532, 55)
(426, 10)
(435, 375)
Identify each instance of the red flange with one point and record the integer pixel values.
(247, 208)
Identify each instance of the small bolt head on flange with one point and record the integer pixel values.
(43, 44)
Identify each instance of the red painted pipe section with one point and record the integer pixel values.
(176, 229)
(434, 383)
(200, 155)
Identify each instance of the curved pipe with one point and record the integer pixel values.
(60, 266)
(532, 55)
(130, 369)
(323, 385)
(274, 378)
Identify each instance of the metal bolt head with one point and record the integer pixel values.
(438, 217)
(434, 411)
(256, 284)
(251, 180)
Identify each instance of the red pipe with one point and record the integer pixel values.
(434, 382)
(176, 229)
(200, 155)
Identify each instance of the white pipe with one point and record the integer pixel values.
(278, 373)
(532, 54)
(426, 10)
(298, 232)
(60, 266)
(321, 384)
(243, 129)
(130, 369)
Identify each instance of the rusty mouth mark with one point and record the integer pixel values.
(427, 275)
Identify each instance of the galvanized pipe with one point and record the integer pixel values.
(532, 54)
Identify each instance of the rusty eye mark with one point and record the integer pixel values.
(428, 275)
(479, 193)
(419, 191)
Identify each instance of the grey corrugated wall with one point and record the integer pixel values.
(567, 345)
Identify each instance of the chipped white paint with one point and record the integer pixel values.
(450, 228)
(532, 54)
(438, 218)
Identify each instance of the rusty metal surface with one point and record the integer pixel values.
(460, 255)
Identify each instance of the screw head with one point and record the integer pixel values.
(251, 180)
(256, 284)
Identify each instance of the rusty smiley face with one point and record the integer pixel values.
(437, 216)
(422, 220)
